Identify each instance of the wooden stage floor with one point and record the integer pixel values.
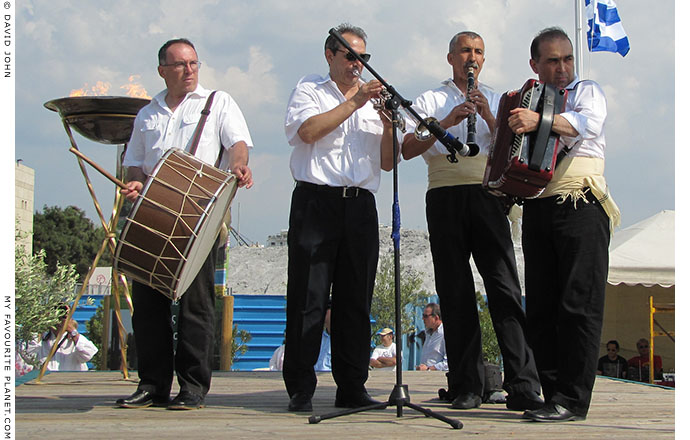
(252, 405)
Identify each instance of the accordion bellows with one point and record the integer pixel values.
(521, 165)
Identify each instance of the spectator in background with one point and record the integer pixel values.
(612, 365)
(638, 366)
(276, 362)
(73, 351)
(383, 356)
(324, 361)
(434, 347)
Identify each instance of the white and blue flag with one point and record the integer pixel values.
(605, 31)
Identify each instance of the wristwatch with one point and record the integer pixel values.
(73, 333)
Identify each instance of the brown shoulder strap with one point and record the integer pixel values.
(202, 121)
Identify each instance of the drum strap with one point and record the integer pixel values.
(200, 126)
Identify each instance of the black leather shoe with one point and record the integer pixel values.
(356, 400)
(551, 412)
(466, 401)
(524, 401)
(300, 402)
(186, 400)
(446, 396)
(142, 399)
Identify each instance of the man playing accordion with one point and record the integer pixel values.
(565, 238)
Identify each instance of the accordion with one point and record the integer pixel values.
(520, 165)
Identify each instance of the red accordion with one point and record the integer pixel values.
(520, 165)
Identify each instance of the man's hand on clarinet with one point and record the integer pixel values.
(481, 104)
(458, 114)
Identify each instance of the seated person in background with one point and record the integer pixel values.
(612, 365)
(638, 366)
(324, 361)
(383, 356)
(276, 362)
(434, 347)
(73, 352)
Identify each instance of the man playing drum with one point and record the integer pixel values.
(170, 121)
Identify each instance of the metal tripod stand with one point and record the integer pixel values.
(399, 396)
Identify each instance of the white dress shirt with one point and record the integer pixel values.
(323, 363)
(440, 102)
(350, 155)
(434, 349)
(585, 110)
(158, 129)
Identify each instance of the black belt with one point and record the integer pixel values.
(345, 192)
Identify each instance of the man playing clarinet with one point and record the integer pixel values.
(463, 220)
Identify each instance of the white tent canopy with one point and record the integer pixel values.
(644, 253)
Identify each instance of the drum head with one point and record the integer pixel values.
(206, 239)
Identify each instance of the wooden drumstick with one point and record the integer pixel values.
(98, 168)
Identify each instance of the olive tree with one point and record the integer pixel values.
(37, 293)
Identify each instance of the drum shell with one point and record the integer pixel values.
(174, 223)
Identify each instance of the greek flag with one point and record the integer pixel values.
(605, 31)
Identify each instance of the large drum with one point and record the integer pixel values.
(174, 223)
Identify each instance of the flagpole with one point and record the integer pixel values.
(578, 39)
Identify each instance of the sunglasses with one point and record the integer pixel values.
(348, 55)
(643, 346)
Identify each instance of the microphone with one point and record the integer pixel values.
(450, 141)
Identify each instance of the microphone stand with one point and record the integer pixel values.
(400, 396)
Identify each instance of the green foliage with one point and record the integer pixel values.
(239, 343)
(68, 237)
(383, 301)
(94, 333)
(490, 348)
(37, 292)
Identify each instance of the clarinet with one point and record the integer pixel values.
(472, 118)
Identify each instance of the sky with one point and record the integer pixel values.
(258, 50)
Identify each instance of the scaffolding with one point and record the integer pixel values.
(654, 309)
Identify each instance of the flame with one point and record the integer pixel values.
(135, 90)
(101, 88)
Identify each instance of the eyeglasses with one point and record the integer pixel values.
(181, 65)
(365, 56)
(424, 315)
(643, 346)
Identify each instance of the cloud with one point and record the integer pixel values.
(257, 52)
(254, 87)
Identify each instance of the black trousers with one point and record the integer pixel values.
(465, 220)
(332, 249)
(153, 333)
(566, 265)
